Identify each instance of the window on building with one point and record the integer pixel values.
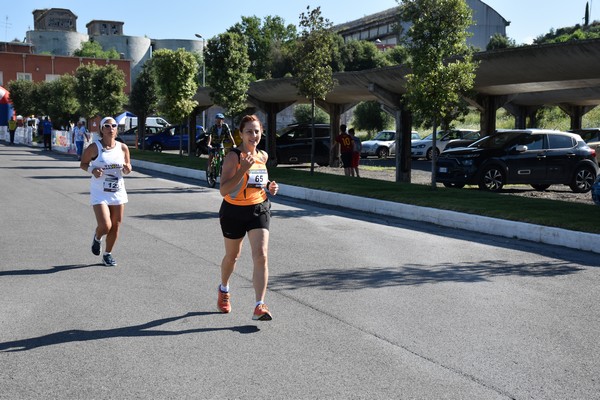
(24, 76)
(51, 77)
(1, 78)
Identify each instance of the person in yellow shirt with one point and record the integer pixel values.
(246, 209)
(12, 127)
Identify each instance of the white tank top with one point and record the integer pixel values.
(110, 187)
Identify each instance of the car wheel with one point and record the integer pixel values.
(383, 152)
(429, 154)
(156, 147)
(583, 179)
(492, 179)
(540, 188)
(454, 185)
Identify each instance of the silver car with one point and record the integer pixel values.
(383, 144)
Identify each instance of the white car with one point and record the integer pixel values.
(424, 148)
(383, 144)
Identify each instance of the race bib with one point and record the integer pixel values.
(257, 178)
(111, 184)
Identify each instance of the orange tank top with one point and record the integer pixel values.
(251, 189)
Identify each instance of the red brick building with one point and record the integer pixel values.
(18, 62)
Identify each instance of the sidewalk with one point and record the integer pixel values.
(475, 223)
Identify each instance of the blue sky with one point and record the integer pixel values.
(181, 19)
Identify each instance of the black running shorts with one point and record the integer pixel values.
(346, 159)
(237, 220)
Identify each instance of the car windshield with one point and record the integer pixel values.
(384, 136)
(496, 141)
(439, 135)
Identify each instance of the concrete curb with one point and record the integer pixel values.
(452, 219)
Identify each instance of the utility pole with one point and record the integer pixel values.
(6, 26)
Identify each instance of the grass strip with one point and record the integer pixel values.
(546, 212)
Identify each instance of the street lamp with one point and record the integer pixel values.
(199, 36)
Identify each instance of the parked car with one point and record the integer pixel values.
(592, 137)
(129, 137)
(383, 144)
(424, 148)
(169, 139)
(293, 144)
(467, 139)
(536, 157)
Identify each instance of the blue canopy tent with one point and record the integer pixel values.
(121, 117)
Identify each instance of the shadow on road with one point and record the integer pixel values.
(412, 275)
(76, 335)
(52, 270)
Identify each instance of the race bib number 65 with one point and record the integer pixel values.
(258, 178)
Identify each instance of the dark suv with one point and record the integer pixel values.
(536, 157)
(293, 144)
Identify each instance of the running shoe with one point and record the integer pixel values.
(261, 313)
(109, 261)
(223, 303)
(96, 246)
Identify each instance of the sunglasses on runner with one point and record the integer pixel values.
(110, 125)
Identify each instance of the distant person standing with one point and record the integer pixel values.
(107, 160)
(346, 145)
(356, 148)
(80, 135)
(47, 131)
(12, 127)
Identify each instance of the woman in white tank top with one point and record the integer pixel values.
(107, 160)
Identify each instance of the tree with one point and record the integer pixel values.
(359, 55)
(143, 99)
(94, 50)
(99, 90)
(441, 62)
(499, 41)
(370, 117)
(262, 40)
(227, 63)
(177, 91)
(314, 75)
(110, 98)
(22, 96)
(62, 105)
(303, 115)
(397, 55)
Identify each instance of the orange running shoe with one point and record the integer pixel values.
(261, 313)
(223, 303)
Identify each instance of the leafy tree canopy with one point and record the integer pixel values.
(94, 50)
(263, 39)
(441, 61)
(99, 90)
(175, 73)
(368, 116)
(313, 59)
(577, 32)
(499, 41)
(22, 96)
(227, 62)
(361, 54)
(303, 115)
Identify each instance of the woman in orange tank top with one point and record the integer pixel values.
(246, 209)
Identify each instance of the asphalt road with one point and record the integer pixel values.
(363, 307)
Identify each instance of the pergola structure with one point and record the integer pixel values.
(520, 79)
